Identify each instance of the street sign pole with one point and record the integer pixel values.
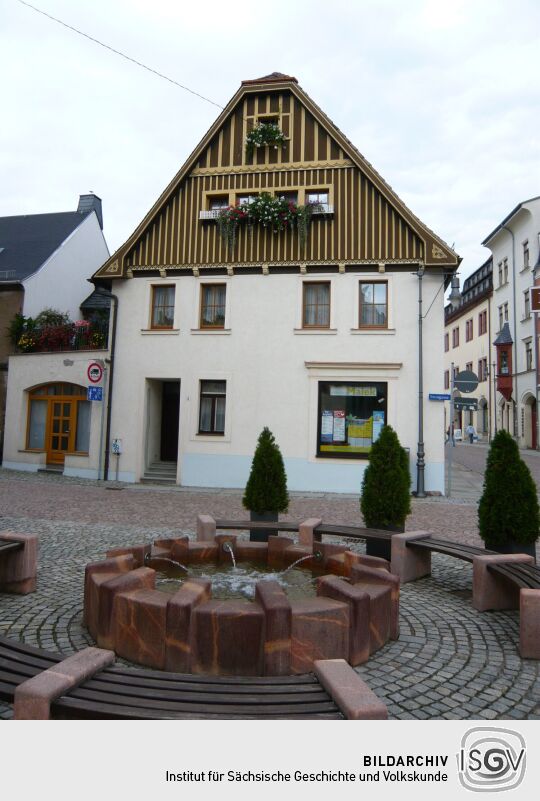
(451, 432)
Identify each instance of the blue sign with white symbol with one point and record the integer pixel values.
(94, 394)
(438, 396)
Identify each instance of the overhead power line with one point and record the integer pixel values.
(119, 53)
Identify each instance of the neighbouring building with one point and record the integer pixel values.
(468, 346)
(514, 245)
(275, 282)
(45, 262)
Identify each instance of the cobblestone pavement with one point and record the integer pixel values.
(449, 662)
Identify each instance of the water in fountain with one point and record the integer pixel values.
(227, 547)
(149, 558)
(239, 582)
(294, 564)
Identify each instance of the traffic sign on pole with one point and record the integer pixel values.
(95, 372)
(466, 381)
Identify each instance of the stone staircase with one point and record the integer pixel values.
(160, 473)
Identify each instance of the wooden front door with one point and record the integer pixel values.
(61, 429)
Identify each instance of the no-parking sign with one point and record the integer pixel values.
(94, 372)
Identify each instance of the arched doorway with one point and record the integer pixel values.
(529, 421)
(58, 420)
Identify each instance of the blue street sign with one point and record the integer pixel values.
(438, 396)
(94, 394)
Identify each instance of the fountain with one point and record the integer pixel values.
(239, 607)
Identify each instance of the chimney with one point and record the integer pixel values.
(455, 294)
(89, 203)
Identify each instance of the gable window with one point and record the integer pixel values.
(373, 304)
(245, 200)
(213, 306)
(316, 304)
(212, 407)
(318, 198)
(162, 306)
(351, 416)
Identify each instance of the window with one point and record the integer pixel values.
(525, 255)
(528, 355)
(501, 317)
(500, 273)
(373, 305)
(482, 323)
(289, 196)
(527, 303)
(447, 379)
(212, 407)
(351, 416)
(245, 200)
(505, 308)
(213, 306)
(455, 337)
(216, 202)
(318, 198)
(468, 366)
(456, 370)
(162, 306)
(316, 304)
(505, 271)
(482, 370)
(503, 362)
(468, 330)
(446, 343)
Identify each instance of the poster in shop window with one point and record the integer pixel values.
(339, 426)
(378, 422)
(327, 426)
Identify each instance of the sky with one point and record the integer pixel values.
(443, 98)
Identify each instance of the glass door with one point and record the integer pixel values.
(62, 426)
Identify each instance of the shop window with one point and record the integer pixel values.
(212, 407)
(213, 305)
(373, 304)
(316, 304)
(163, 306)
(351, 416)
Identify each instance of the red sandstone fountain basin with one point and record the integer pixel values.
(354, 613)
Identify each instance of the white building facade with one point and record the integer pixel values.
(314, 336)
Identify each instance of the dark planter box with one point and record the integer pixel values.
(383, 548)
(514, 547)
(262, 534)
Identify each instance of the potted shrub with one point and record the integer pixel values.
(386, 490)
(266, 490)
(508, 513)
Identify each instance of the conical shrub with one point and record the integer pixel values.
(508, 509)
(266, 489)
(386, 486)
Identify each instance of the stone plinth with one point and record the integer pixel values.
(139, 553)
(320, 630)
(140, 624)
(358, 602)
(491, 591)
(95, 574)
(410, 563)
(206, 528)
(18, 569)
(33, 698)
(306, 531)
(141, 577)
(350, 693)
(278, 622)
(362, 575)
(529, 623)
(227, 638)
(179, 611)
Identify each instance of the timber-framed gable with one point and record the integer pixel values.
(364, 221)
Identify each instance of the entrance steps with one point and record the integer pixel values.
(160, 473)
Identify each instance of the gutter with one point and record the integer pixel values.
(514, 371)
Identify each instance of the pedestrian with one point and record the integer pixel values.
(470, 431)
(450, 433)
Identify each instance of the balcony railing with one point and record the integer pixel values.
(319, 209)
(74, 336)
